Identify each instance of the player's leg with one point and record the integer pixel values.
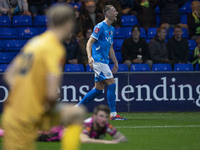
(98, 90)
(99, 86)
(111, 97)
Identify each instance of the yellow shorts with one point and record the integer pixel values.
(18, 135)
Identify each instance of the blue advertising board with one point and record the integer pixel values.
(135, 92)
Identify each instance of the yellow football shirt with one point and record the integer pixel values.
(41, 55)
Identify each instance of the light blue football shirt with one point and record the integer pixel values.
(104, 38)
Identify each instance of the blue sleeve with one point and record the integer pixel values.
(98, 29)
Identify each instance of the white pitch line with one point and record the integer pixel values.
(138, 127)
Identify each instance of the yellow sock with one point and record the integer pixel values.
(71, 138)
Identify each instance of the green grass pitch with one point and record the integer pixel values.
(150, 131)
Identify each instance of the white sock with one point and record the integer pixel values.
(113, 114)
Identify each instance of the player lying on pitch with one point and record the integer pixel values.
(94, 129)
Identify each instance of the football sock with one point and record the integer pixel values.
(90, 96)
(111, 97)
(71, 137)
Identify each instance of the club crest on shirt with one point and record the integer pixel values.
(96, 30)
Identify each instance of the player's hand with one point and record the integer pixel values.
(90, 61)
(28, 13)
(111, 141)
(115, 68)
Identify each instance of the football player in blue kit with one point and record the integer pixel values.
(99, 51)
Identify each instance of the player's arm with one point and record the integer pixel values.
(119, 137)
(53, 82)
(54, 62)
(89, 50)
(113, 58)
(11, 72)
(86, 139)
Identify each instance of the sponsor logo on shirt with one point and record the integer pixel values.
(96, 30)
(98, 48)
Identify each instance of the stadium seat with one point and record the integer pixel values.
(88, 69)
(26, 33)
(74, 68)
(161, 67)
(8, 33)
(192, 44)
(1, 46)
(186, 8)
(22, 21)
(183, 67)
(128, 32)
(151, 33)
(14, 45)
(143, 33)
(119, 33)
(6, 57)
(157, 10)
(119, 57)
(41, 29)
(40, 20)
(197, 67)
(140, 67)
(147, 40)
(5, 21)
(122, 67)
(117, 44)
(158, 20)
(3, 67)
(128, 20)
(184, 19)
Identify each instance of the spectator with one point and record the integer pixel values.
(126, 6)
(91, 17)
(83, 9)
(38, 7)
(158, 47)
(102, 3)
(178, 47)
(82, 42)
(169, 13)
(61, 1)
(77, 28)
(135, 49)
(193, 20)
(146, 12)
(196, 55)
(14, 7)
(73, 50)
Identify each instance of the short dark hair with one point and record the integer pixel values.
(59, 14)
(159, 29)
(101, 108)
(135, 26)
(177, 26)
(107, 8)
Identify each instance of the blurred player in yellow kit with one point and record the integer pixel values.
(33, 78)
